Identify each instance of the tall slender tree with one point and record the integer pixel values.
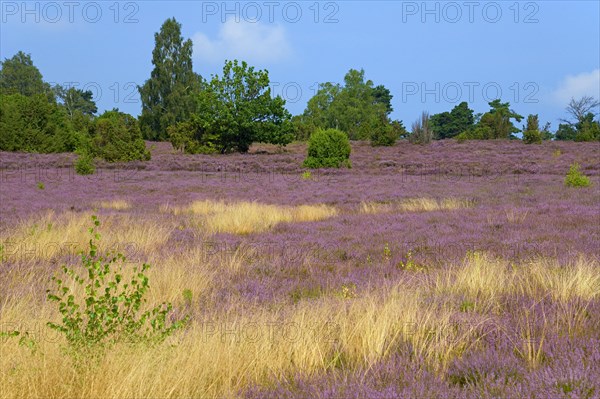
(168, 97)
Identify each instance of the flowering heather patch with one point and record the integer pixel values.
(449, 270)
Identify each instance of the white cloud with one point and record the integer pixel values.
(245, 41)
(577, 86)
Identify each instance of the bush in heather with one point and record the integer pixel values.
(386, 134)
(532, 137)
(575, 178)
(85, 164)
(117, 138)
(532, 134)
(109, 309)
(193, 137)
(329, 148)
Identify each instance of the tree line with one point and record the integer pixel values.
(232, 110)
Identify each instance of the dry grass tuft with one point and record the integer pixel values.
(484, 277)
(250, 217)
(579, 279)
(516, 216)
(430, 204)
(118, 205)
(416, 205)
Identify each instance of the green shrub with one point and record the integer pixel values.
(101, 305)
(328, 148)
(590, 131)
(302, 129)
(193, 137)
(575, 178)
(117, 138)
(35, 124)
(85, 164)
(532, 137)
(477, 133)
(386, 134)
(531, 133)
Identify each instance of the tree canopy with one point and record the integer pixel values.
(168, 97)
(233, 111)
(446, 125)
(358, 108)
(18, 75)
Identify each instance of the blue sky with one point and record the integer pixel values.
(431, 55)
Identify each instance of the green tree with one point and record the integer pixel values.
(382, 95)
(318, 111)
(588, 129)
(194, 136)
(357, 108)
(386, 133)
(234, 111)
(35, 124)
(168, 97)
(76, 100)
(450, 124)
(499, 120)
(581, 126)
(580, 109)
(531, 132)
(18, 75)
(117, 138)
(546, 133)
(566, 131)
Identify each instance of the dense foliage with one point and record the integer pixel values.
(37, 118)
(328, 148)
(117, 137)
(532, 134)
(84, 165)
(447, 125)
(19, 76)
(358, 108)
(234, 110)
(495, 124)
(35, 124)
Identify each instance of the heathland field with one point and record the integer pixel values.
(447, 270)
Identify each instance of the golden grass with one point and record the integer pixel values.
(416, 205)
(579, 279)
(480, 277)
(118, 205)
(486, 278)
(250, 217)
(48, 237)
(225, 352)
